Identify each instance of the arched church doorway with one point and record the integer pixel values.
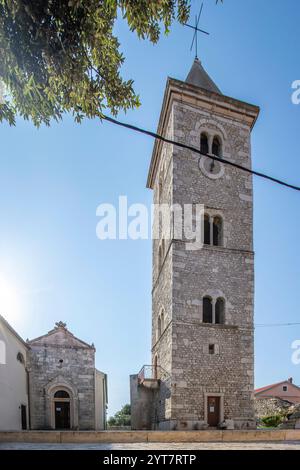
(61, 402)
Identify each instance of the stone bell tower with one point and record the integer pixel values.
(202, 300)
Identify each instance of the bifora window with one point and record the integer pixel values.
(210, 144)
(213, 230)
(213, 312)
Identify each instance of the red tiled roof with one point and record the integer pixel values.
(258, 390)
(268, 387)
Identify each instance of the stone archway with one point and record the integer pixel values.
(59, 393)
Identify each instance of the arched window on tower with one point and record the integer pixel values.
(220, 311)
(158, 327)
(216, 147)
(217, 231)
(206, 229)
(204, 144)
(160, 186)
(207, 310)
(159, 258)
(162, 321)
(159, 190)
(163, 249)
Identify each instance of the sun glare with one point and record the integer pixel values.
(9, 302)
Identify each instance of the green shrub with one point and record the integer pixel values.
(121, 418)
(272, 421)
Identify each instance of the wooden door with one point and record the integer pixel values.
(62, 415)
(213, 411)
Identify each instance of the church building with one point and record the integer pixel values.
(66, 391)
(202, 371)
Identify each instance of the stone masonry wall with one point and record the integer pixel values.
(270, 406)
(162, 285)
(225, 272)
(77, 369)
(187, 276)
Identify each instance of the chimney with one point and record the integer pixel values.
(290, 380)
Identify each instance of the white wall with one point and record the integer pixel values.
(100, 400)
(13, 381)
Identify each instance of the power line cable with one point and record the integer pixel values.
(262, 325)
(194, 149)
(188, 147)
(213, 157)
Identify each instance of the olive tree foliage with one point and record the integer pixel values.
(121, 418)
(60, 56)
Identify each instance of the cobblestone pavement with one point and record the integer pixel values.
(286, 445)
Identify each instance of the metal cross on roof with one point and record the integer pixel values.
(196, 29)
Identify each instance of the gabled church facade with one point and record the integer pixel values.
(66, 390)
(202, 371)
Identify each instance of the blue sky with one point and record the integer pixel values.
(52, 180)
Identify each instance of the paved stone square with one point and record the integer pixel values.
(286, 445)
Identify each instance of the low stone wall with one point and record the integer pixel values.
(293, 421)
(149, 436)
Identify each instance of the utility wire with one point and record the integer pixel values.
(213, 157)
(188, 147)
(194, 149)
(261, 325)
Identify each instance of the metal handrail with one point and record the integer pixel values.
(152, 372)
